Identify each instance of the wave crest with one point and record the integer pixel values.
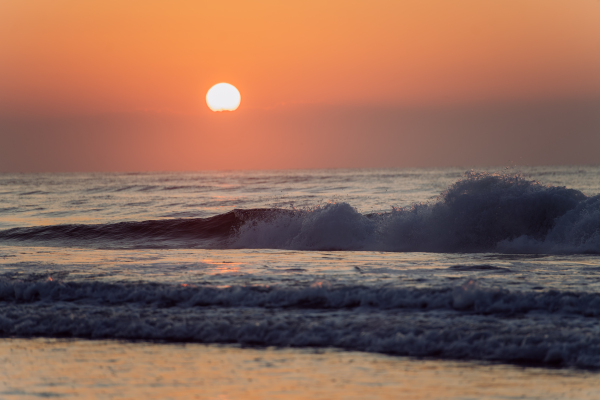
(476, 214)
(481, 213)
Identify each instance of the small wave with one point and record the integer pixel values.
(155, 233)
(467, 322)
(469, 297)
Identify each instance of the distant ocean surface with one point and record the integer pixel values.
(486, 265)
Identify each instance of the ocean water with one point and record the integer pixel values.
(484, 267)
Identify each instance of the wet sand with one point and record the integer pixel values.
(85, 369)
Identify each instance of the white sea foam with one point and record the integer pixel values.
(469, 297)
(482, 213)
(577, 231)
(469, 321)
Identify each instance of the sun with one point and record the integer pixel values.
(223, 97)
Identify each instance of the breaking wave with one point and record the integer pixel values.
(480, 213)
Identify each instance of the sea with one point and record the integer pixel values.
(341, 283)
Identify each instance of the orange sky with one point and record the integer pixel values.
(156, 59)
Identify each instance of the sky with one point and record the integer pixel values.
(120, 86)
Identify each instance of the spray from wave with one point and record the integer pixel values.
(481, 213)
